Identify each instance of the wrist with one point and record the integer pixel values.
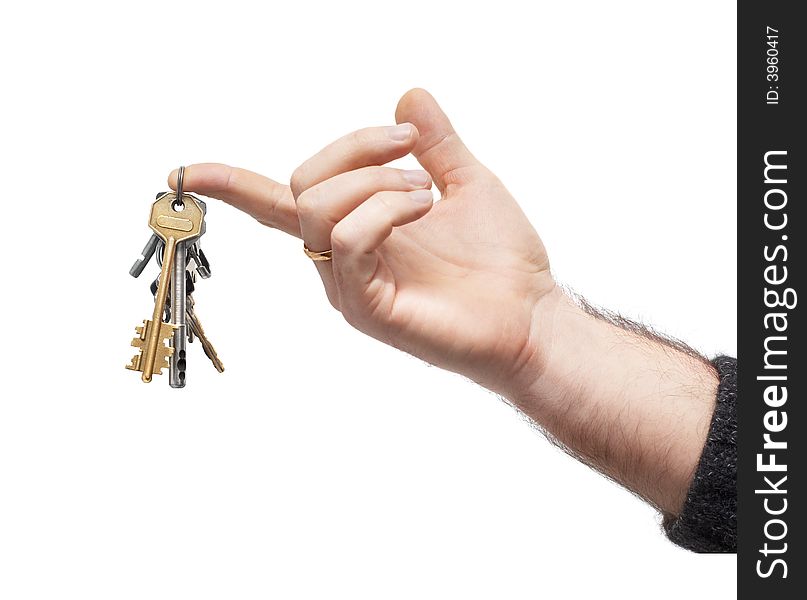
(552, 325)
(517, 367)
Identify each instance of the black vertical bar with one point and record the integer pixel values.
(771, 133)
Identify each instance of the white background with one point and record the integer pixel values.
(322, 464)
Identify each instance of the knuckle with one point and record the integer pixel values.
(342, 237)
(364, 137)
(229, 179)
(377, 177)
(265, 221)
(306, 205)
(385, 201)
(297, 181)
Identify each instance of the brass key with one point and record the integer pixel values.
(174, 220)
(195, 328)
(163, 351)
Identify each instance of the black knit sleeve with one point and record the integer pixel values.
(708, 521)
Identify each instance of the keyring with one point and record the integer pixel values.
(180, 181)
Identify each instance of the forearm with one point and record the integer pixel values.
(632, 406)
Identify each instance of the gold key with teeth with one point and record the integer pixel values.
(163, 351)
(174, 220)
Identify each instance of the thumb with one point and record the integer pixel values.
(439, 149)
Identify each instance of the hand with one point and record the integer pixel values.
(456, 283)
(464, 283)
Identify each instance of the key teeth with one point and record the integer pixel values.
(159, 364)
(167, 330)
(164, 352)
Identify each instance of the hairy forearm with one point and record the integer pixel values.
(630, 404)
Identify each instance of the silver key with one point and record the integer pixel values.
(178, 317)
(145, 255)
(177, 362)
(199, 263)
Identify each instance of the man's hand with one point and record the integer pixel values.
(464, 283)
(455, 283)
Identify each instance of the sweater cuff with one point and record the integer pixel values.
(708, 520)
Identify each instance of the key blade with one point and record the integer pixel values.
(176, 372)
(164, 352)
(196, 327)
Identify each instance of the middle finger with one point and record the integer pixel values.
(362, 148)
(321, 207)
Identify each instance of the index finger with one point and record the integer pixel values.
(268, 201)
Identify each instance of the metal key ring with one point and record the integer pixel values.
(180, 181)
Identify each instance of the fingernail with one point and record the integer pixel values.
(421, 196)
(400, 133)
(418, 177)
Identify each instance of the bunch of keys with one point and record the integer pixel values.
(177, 220)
